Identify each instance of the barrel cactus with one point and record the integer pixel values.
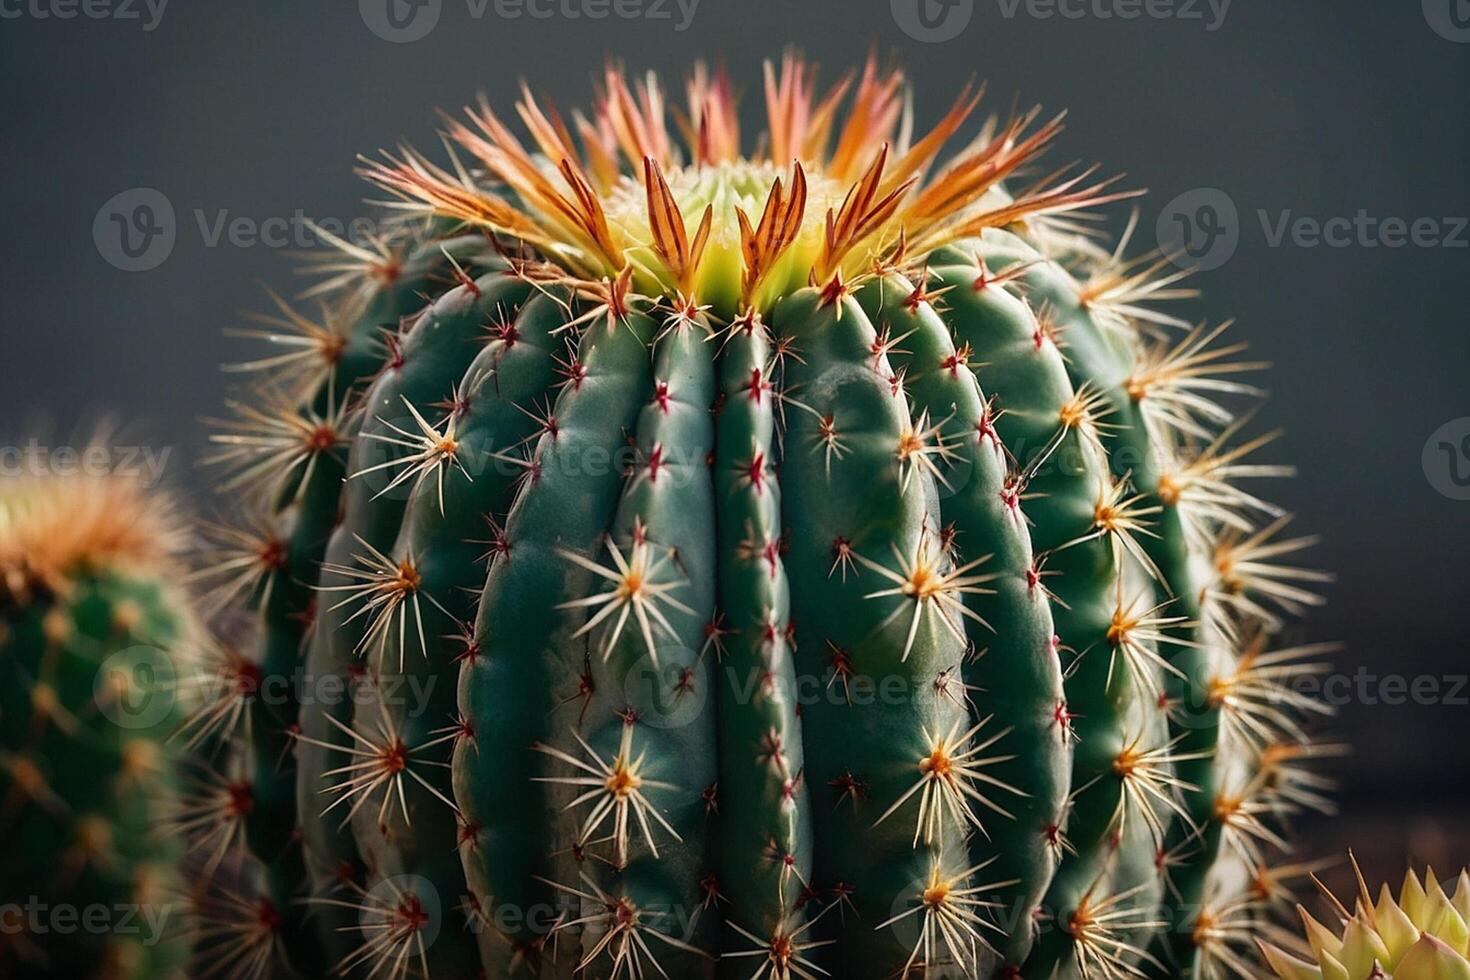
(94, 644)
(827, 560)
(1420, 935)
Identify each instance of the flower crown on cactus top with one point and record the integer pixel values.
(685, 213)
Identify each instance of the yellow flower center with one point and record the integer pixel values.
(727, 189)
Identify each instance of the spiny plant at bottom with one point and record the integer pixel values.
(1422, 934)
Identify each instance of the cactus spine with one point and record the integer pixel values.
(835, 564)
(94, 652)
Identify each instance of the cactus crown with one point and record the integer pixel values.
(709, 225)
(1420, 935)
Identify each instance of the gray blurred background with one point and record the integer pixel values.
(1275, 109)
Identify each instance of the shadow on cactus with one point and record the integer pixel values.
(94, 661)
(834, 559)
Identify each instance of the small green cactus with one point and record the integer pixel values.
(822, 560)
(93, 647)
(1420, 935)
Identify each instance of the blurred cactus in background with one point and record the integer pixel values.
(95, 645)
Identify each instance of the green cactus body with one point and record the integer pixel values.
(764, 807)
(647, 715)
(385, 602)
(1200, 653)
(1013, 676)
(857, 578)
(94, 651)
(487, 421)
(1103, 362)
(530, 682)
(851, 491)
(1115, 823)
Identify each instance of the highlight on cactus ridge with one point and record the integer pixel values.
(1420, 935)
(817, 553)
(94, 639)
